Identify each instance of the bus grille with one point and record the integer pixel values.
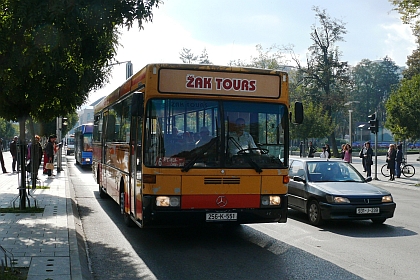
(221, 181)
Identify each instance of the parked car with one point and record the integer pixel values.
(335, 190)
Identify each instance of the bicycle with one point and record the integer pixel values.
(407, 170)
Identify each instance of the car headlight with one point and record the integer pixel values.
(167, 201)
(270, 200)
(387, 198)
(337, 199)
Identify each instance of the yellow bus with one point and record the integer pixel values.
(190, 144)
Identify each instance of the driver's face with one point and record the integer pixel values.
(240, 127)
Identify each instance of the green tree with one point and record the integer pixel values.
(372, 85)
(53, 53)
(403, 111)
(316, 123)
(410, 14)
(7, 131)
(324, 75)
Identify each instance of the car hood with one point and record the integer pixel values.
(349, 188)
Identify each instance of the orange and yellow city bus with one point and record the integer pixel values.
(168, 150)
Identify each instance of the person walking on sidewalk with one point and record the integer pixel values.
(368, 159)
(1, 156)
(398, 160)
(34, 156)
(390, 160)
(13, 151)
(49, 150)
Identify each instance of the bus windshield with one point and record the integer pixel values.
(195, 133)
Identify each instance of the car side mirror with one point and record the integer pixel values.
(299, 179)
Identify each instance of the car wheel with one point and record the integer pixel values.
(314, 213)
(379, 221)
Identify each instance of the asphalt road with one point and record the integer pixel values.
(295, 250)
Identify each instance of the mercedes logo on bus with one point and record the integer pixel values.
(221, 201)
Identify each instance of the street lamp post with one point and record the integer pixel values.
(350, 111)
(351, 142)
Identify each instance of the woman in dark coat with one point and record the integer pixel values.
(49, 151)
(390, 160)
(368, 159)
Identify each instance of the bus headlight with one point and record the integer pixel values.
(168, 201)
(270, 200)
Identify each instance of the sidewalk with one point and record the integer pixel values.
(44, 242)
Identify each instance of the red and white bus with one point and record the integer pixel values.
(167, 149)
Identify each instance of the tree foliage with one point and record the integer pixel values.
(317, 123)
(52, 53)
(7, 131)
(323, 74)
(403, 110)
(188, 57)
(372, 84)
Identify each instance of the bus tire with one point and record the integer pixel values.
(102, 194)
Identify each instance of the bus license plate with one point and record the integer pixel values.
(367, 210)
(221, 217)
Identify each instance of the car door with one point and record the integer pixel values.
(296, 195)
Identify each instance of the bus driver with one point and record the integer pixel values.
(240, 139)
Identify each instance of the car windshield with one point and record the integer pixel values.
(332, 171)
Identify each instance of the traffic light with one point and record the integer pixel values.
(64, 122)
(373, 123)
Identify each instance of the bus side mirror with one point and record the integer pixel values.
(298, 115)
(137, 109)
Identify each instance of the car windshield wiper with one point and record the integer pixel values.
(199, 152)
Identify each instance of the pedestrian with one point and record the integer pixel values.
(1, 156)
(301, 147)
(390, 160)
(327, 147)
(34, 156)
(13, 151)
(347, 153)
(398, 160)
(49, 150)
(311, 150)
(324, 153)
(362, 155)
(368, 159)
(343, 151)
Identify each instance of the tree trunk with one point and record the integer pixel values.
(333, 145)
(22, 161)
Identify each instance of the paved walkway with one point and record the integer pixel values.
(44, 242)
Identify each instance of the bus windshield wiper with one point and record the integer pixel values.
(247, 156)
(199, 152)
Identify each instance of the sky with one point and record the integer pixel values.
(231, 29)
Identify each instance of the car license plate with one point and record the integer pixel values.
(221, 217)
(367, 210)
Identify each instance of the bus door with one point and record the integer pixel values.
(135, 188)
(105, 152)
